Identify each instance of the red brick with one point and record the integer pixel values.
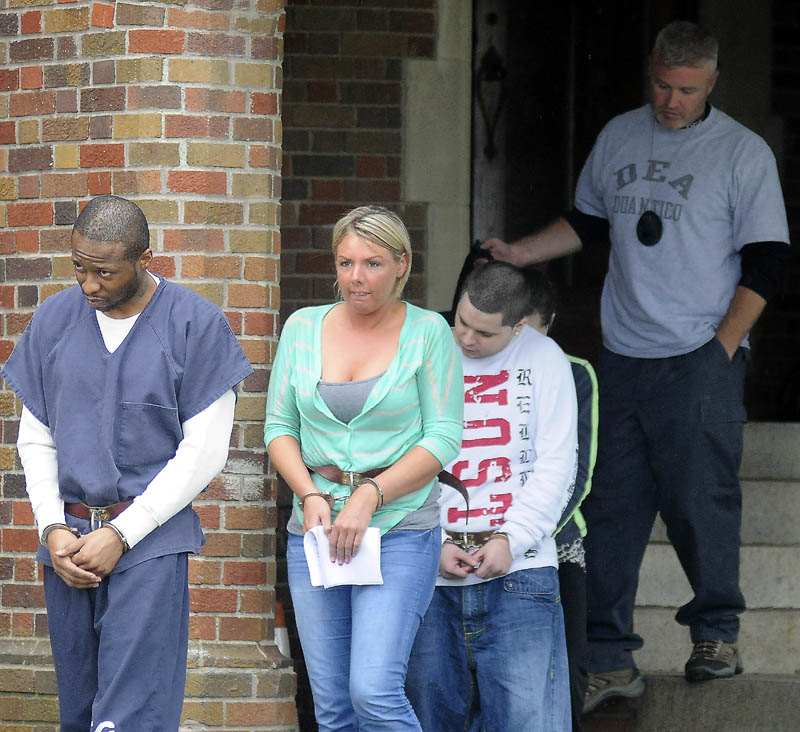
(245, 128)
(27, 540)
(202, 627)
(254, 714)
(25, 595)
(6, 291)
(156, 41)
(371, 166)
(201, 99)
(33, 103)
(27, 240)
(102, 156)
(211, 600)
(23, 624)
(265, 47)
(7, 246)
(5, 349)
(263, 156)
(250, 296)
(197, 181)
(235, 321)
(9, 79)
(31, 22)
(209, 513)
(17, 322)
(327, 190)
(102, 15)
(137, 181)
(30, 214)
(66, 100)
(23, 513)
(255, 601)
(99, 183)
(261, 103)
(222, 544)
(204, 571)
(196, 127)
(25, 569)
(31, 77)
(194, 240)
(213, 45)
(261, 324)
(245, 517)
(28, 186)
(215, 268)
(32, 49)
(244, 573)
(243, 629)
(179, 18)
(65, 185)
(164, 266)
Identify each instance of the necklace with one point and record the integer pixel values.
(650, 227)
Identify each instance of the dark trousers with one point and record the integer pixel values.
(572, 578)
(120, 650)
(670, 442)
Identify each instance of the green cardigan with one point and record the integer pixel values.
(418, 401)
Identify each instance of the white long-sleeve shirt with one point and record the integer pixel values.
(519, 449)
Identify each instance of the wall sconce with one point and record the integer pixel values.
(490, 81)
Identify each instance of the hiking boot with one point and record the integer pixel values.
(625, 683)
(713, 660)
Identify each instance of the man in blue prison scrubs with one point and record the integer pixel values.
(128, 385)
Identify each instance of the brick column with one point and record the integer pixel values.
(174, 104)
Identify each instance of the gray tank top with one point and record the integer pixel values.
(346, 399)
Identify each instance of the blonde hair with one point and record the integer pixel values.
(380, 226)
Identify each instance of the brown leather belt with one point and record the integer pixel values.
(345, 477)
(469, 539)
(96, 514)
(352, 479)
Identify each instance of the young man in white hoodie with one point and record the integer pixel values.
(490, 652)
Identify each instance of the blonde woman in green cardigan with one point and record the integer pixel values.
(364, 409)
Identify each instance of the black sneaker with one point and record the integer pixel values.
(713, 660)
(625, 683)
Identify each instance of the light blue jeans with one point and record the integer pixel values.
(492, 657)
(356, 639)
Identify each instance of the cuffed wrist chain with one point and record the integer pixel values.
(373, 482)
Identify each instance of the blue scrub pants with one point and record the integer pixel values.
(120, 650)
(670, 442)
(491, 657)
(356, 639)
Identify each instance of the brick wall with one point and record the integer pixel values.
(343, 147)
(174, 104)
(343, 129)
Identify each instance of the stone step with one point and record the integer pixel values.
(746, 703)
(769, 641)
(771, 451)
(768, 577)
(770, 513)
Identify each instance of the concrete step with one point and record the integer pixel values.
(769, 641)
(770, 513)
(746, 703)
(768, 577)
(771, 451)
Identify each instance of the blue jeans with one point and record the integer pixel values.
(492, 657)
(356, 639)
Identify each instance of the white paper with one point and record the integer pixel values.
(364, 568)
